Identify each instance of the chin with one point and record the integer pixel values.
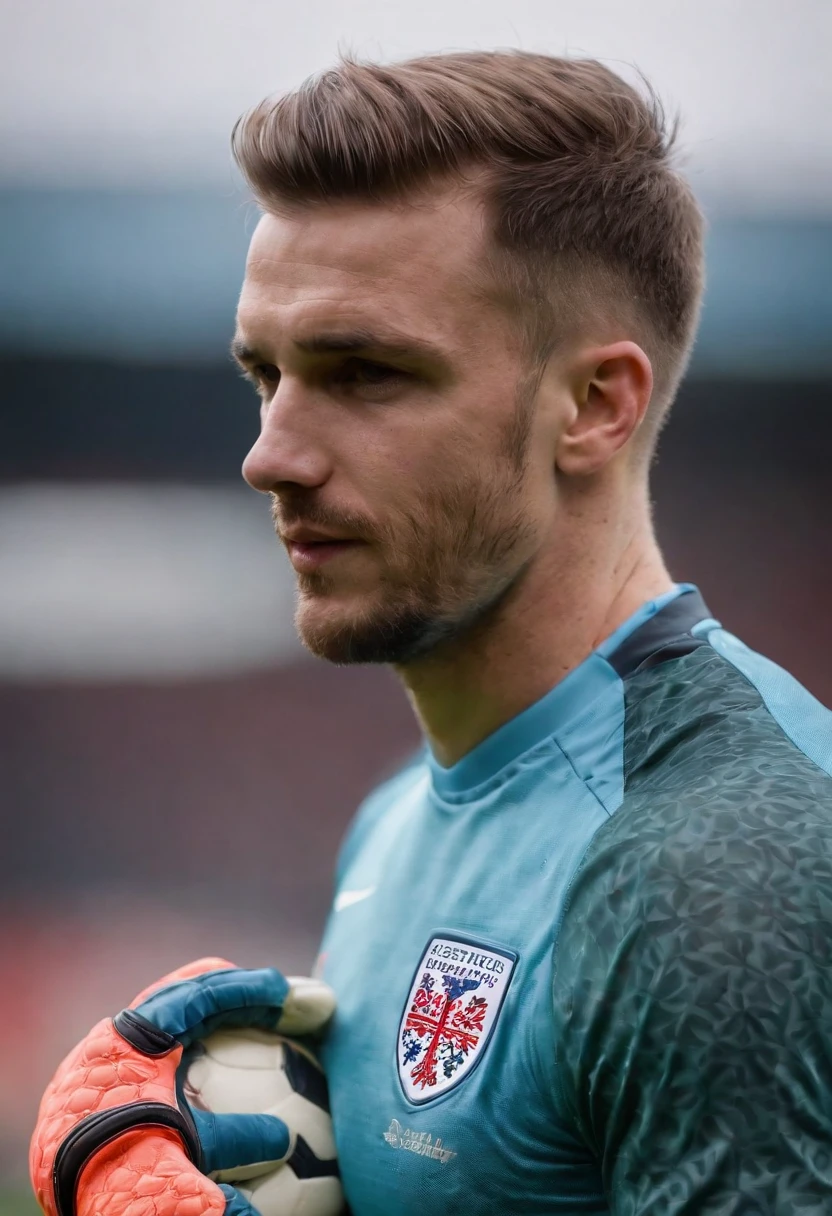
(388, 636)
(394, 634)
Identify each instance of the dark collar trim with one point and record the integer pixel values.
(667, 635)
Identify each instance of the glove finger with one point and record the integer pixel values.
(236, 1203)
(198, 967)
(192, 1008)
(309, 1005)
(146, 1172)
(229, 1141)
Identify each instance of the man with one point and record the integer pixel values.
(580, 945)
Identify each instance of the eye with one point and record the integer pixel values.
(367, 374)
(268, 373)
(376, 372)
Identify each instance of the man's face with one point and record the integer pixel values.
(421, 463)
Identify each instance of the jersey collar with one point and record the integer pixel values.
(659, 630)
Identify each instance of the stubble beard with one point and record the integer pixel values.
(451, 563)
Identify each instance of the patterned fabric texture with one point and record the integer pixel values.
(693, 971)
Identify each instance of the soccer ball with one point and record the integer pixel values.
(254, 1072)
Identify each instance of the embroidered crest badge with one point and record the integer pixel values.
(451, 1010)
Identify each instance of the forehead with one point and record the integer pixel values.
(418, 265)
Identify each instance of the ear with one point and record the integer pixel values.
(611, 388)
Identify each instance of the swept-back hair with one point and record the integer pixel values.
(587, 215)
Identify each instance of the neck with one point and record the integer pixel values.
(572, 596)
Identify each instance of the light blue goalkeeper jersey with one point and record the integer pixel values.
(587, 968)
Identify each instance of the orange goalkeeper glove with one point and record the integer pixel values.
(114, 1131)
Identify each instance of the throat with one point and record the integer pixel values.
(538, 632)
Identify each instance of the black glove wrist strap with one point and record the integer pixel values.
(92, 1133)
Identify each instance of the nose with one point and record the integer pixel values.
(286, 451)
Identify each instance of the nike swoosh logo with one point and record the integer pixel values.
(345, 899)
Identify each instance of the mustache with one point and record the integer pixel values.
(286, 514)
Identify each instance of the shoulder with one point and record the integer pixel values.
(710, 888)
(722, 806)
(723, 705)
(692, 987)
(727, 781)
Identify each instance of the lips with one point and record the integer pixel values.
(308, 536)
(309, 555)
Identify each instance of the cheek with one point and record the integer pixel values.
(395, 472)
(435, 460)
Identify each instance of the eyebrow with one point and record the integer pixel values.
(353, 342)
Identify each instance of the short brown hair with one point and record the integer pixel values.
(587, 214)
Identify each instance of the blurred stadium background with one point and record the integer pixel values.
(176, 773)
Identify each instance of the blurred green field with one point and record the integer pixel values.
(18, 1203)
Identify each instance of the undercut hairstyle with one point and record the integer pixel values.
(590, 223)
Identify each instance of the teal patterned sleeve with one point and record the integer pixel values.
(693, 984)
